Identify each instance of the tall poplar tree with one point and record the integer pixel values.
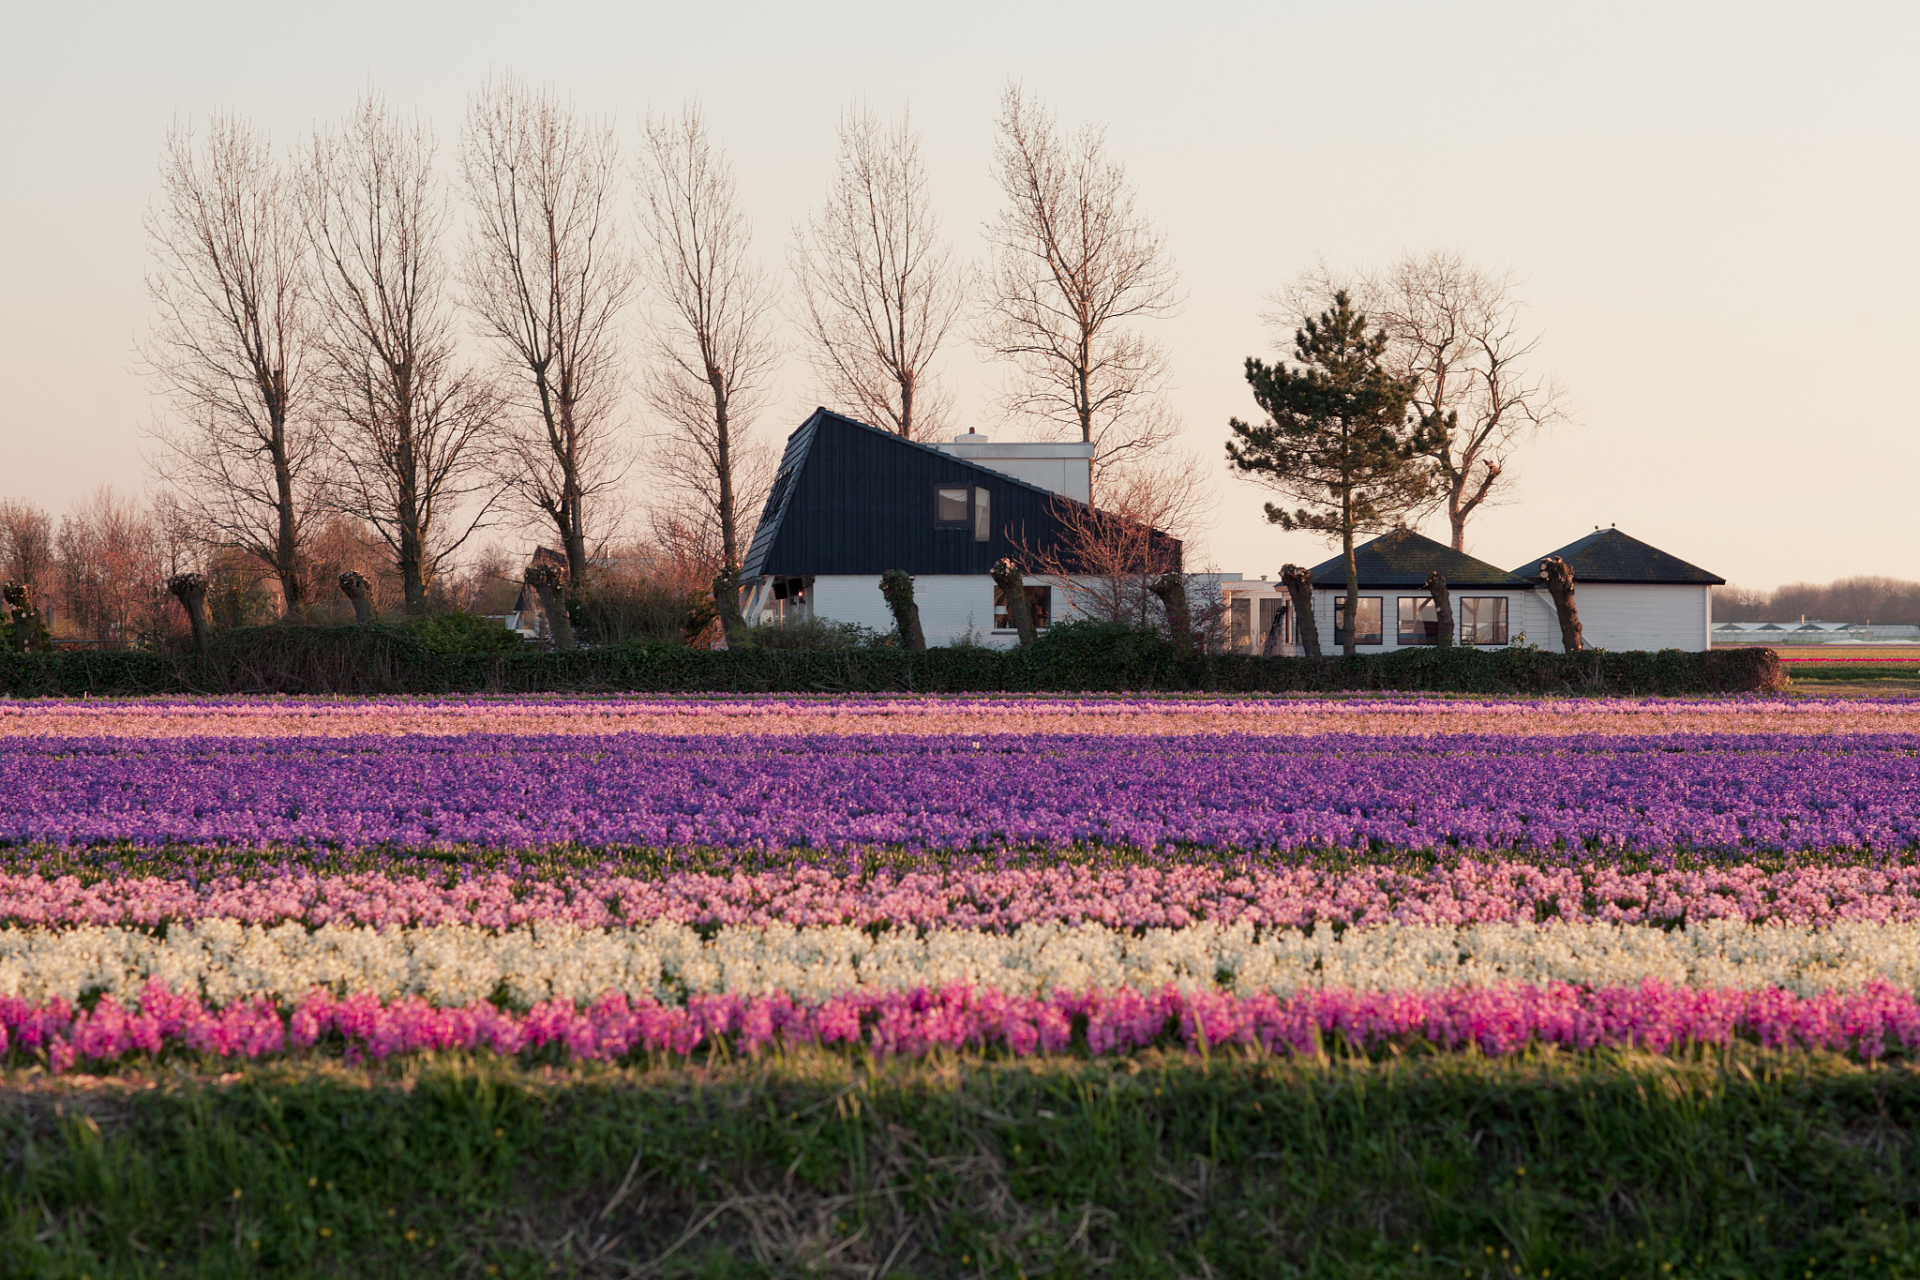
(1337, 440)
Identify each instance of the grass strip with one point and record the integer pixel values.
(1741, 1163)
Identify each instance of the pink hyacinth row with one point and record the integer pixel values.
(1870, 1022)
(1391, 715)
(1463, 893)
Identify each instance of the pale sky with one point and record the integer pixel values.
(1716, 210)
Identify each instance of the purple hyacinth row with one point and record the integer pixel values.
(1766, 792)
(997, 900)
(1870, 1023)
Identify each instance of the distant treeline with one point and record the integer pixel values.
(1887, 601)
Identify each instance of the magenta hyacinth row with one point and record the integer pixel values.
(1171, 896)
(1870, 1023)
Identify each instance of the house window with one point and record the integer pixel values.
(964, 507)
(1419, 620)
(951, 507)
(1039, 604)
(1483, 620)
(1368, 630)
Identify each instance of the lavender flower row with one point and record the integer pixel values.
(1762, 792)
(1174, 895)
(1869, 1023)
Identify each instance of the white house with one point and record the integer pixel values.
(851, 502)
(1629, 596)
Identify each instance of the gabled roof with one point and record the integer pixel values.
(1608, 555)
(853, 499)
(1404, 558)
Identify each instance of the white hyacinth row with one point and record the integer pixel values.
(456, 964)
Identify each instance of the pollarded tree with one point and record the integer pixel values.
(1337, 439)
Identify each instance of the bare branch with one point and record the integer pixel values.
(712, 347)
(1455, 333)
(231, 346)
(412, 432)
(878, 287)
(545, 273)
(1074, 265)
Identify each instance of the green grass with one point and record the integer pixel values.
(1741, 1164)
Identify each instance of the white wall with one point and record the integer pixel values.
(949, 604)
(1623, 615)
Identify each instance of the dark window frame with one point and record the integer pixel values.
(1379, 621)
(979, 516)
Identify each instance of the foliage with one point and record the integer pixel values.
(1751, 1163)
(1336, 437)
(454, 632)
(640, 609)
(817, 633)
(384, 658)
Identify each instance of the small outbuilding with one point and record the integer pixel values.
(1629, 595)
(1395, 610)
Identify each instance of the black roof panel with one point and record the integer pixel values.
(1608, 555)
(1404, 558)
(853, 499)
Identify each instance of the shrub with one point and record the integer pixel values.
(1092, 657)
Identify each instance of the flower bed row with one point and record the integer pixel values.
(1870, 1023)
(182, 886)
(1374, 715)
(1773, 793)
(227, 962)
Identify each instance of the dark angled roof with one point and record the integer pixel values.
(1608, 555)
(1404, 559)
(853, 499)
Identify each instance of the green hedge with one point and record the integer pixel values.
(389, 659)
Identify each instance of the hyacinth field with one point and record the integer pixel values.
(1502, 918)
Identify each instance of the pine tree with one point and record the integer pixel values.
(1336, 440)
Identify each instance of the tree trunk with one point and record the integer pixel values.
(1013, 586)
(1172, 590)
(726, 601)
(1353, 590)
(190, 589)
(356, 588)
(897, 586)
(1560, 586)
(1442, 607)
(1299, 585)
(1271, 641)
(546, 581)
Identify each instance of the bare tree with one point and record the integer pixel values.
(411, 430)
(1074, 265)
(713, 348)
(113, 569)
(231, 346)
(878, 286)
(545, 273)
(1455, 333)
(26, 544)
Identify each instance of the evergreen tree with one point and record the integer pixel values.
(1336, 441)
